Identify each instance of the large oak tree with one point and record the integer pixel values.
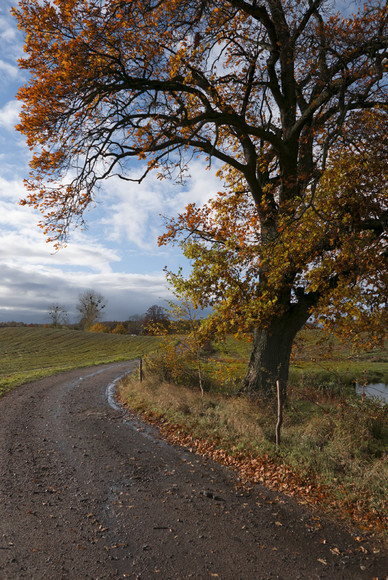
(329, 256)
(271, 89)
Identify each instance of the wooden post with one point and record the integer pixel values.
(140, 369)
(280, 411)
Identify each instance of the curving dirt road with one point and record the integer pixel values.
(87, 491)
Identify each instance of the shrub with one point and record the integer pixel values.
(98, 327)
(119, 329)
(171, 363)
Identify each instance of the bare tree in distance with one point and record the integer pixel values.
(57, 314)
(90, 304)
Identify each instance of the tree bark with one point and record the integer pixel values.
(272, 345)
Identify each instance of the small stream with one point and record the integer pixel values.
(379, 390)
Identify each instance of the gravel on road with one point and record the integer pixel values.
(88, 491)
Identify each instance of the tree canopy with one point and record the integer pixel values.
(273, 90)
(331, 248)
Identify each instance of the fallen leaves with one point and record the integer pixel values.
(322, 561)
(270, 472)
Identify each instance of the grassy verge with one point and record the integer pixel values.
(334, 444)
(27, 354)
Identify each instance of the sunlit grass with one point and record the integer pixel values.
(326, 443)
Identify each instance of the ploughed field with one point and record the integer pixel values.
(27, 354)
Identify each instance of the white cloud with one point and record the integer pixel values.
(133, 211)
(23, 242)
(11, 189)
(21, 248)
(117, 255)
(8, 69)
(8, 35)
(12, 41)
(33, 275)
(9, 115)
(26, 292)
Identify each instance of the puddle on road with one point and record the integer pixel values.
(135, 423)
(111, 393)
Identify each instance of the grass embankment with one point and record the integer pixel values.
(326, 361)
(334, 444)
(27, 354)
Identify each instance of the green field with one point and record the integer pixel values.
(326, 359)
(27, 354)
(320, 361)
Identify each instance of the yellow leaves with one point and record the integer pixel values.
(322, 561)
(246, 273)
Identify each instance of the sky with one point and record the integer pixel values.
(117, 255)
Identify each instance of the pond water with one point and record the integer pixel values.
(379, 390)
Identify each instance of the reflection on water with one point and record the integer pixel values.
(379, 390)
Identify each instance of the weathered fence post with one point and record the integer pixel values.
(280, 411)
(140, 369)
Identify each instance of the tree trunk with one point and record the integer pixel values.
(270, 358)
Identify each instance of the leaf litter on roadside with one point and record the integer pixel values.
(268, 471)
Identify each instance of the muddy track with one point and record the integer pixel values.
(87, 491)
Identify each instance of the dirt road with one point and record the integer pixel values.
(87, 491)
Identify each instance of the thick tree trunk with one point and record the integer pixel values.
(270, 358)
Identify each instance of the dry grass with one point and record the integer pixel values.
(213, 415)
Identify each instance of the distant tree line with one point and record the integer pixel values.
(90, 306)
(14, 324)
(156, 320)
